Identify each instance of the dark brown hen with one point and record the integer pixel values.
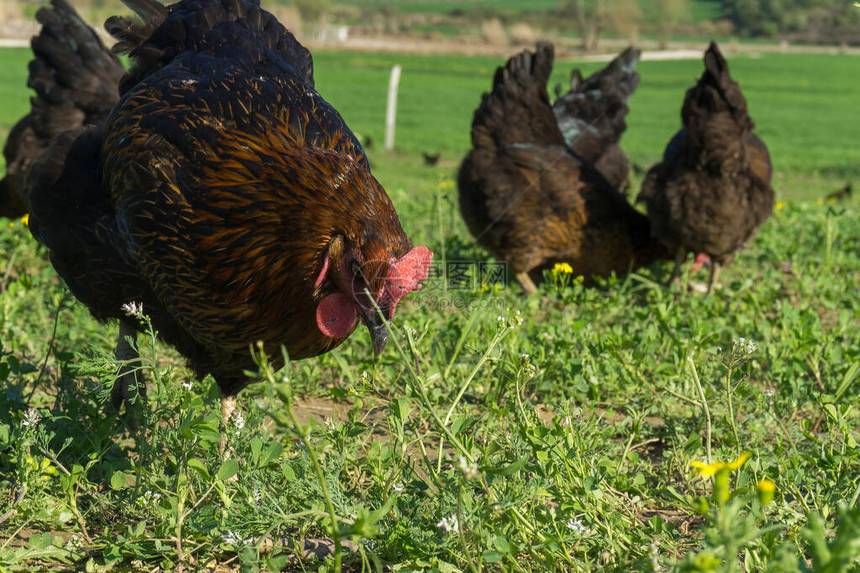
(712, 191)
(76, 82)
(529, 199)
(591, 115)
(225, 195)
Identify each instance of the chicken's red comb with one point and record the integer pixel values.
(405, 276)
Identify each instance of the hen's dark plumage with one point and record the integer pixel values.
(75, 79)
(591, 115)
(712, 190)
(225, 195)
(529, 199)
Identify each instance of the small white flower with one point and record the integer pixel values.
(449, 524)
(576, 525)
(744, 348)
(133, 309)
(31, 418)
(397, 486)
(469, 470)
(187, 385)
(529, 369)
(231, 538)
(237, 419)
(74, 542)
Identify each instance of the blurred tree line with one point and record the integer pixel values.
(813, 20)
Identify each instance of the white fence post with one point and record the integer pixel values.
(391, 109)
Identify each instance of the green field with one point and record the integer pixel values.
(561, 432)
(700, 10)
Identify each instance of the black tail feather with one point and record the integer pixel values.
(518, 110)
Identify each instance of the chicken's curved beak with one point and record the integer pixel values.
(376, 321)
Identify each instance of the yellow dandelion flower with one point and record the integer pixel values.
(25, 220)
(765, 490)
(11, 225)
(708, 470)
(739, 462)
(780, 205)
(562, 268)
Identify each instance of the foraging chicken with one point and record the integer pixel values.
(533, 202)
(226, 196)
(431, 158)
(591, 115)
(76, 82)
(841, 194)
(712, 191)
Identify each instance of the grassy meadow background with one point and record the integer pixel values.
(496, 432)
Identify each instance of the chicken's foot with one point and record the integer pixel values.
(526, 282)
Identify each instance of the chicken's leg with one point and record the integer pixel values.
(129, 382)
(526, 282)
(680, 255)
(715, 270)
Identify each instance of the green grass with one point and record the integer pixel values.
(559, 429)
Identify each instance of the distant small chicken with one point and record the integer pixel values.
(76, 82)
(591, 115)
(431, 158)
(533, 202)
(226, 196)
(841, 194)
(712, 191)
